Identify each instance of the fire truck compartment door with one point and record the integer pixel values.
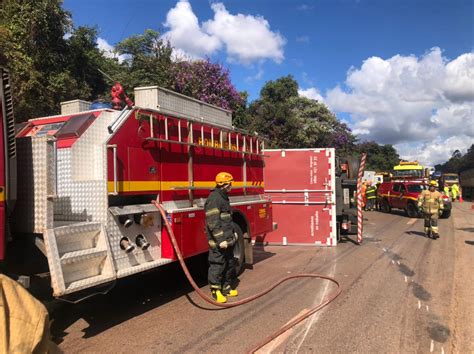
(143, 170)
(79, 257)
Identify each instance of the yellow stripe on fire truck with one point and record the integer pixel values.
(143, 186)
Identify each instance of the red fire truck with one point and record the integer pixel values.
(86, 179)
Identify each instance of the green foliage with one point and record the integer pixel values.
(458, 162)
(290, 121)
(379, 157)
(148, 61)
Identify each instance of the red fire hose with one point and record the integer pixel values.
(253, 297)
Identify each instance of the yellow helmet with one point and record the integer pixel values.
(434, 183)
(224, 178)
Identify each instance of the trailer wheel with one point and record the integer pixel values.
(385, 206)
(239, 250)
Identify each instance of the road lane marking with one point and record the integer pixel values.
(432, 346)
(268, 348)
(419, 304)
(427, 308)
(442, 350)
(398, 262)
(315, 317)
(393, 262)
(384, 249)
(411, 221)
(406, 279)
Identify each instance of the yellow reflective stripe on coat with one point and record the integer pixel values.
(213, 211)
(226, 216)
(217, 234)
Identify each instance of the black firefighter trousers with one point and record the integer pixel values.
(222, 273)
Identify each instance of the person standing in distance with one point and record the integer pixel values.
(222, 275)
(430, 203)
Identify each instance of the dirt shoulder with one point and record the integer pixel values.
(462, 309)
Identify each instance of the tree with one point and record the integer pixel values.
(290, 121)
(148, 61)
(458, 162)
(379, 157)
(206, 81)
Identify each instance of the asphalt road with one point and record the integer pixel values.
(402, 292)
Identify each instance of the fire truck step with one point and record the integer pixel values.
(82, 255)
(78, 256)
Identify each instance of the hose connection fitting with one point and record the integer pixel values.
(125, 220)
(126, 245)
(142, 242)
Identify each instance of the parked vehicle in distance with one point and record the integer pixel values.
(467, 183)
(403, 194)
(448, 179)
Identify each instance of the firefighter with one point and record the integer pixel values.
(363, 189)
(371, 194)
(221, 236)
(430, 203)
(455, 191)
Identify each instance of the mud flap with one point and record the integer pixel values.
(248, 249)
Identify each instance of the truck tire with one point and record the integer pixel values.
(385, 206)
(446, 214)
(353, 167)
(411, 210)
(239, 250)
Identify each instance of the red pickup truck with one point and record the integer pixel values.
(404, 195)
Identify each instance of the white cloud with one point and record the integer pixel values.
(108, 50)
(246, 38)
(186, 34)
(311, 93)
(424, 104)
(436, 151)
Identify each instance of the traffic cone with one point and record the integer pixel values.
(460, 199)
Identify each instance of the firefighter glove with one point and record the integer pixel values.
(223, 245)
(212, 244)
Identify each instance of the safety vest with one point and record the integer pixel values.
(371, 192)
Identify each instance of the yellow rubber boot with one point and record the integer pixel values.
(233, 293)
(218, 297)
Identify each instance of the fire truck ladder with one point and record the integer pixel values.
(251, 145)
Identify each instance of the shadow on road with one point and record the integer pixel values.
(131, 297)
(470, 243)
(467, 229)
(260, 254)
(346, 238)
(416, 233)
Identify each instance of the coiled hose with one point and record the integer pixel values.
(253, 297)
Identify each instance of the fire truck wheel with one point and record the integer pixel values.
(385, 206)
(239, 249)
(411, 210)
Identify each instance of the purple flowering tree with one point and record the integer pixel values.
(206, 81)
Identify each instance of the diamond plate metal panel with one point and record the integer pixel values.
(78, 257)
(137, 260)
(33, 212)
(82, 175)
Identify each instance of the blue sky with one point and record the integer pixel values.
(397, 71)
